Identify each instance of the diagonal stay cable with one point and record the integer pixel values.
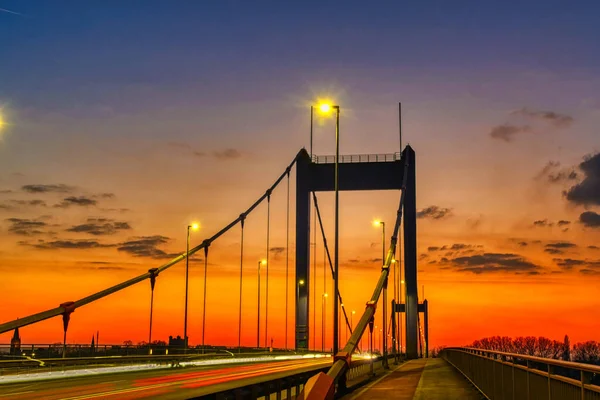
(53, 312)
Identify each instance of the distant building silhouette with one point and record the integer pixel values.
(178, 341)
(15, 343)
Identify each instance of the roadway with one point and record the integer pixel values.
(171, 384)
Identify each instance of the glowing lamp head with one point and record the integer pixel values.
(325, 108)
(402, 282)
(377, 222)
(263, 262)
(393, 261)
(301, 282)
(325, 294)
(195, 226)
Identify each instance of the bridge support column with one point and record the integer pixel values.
(410, 256)
(302, 249)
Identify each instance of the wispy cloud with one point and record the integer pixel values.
(146, 246)
(507, 132)
(493, 263)
(551, 117)
(81, 201)
(57, 188)
(67, 244)
(434, 212)
(26, 227)
(100, 226)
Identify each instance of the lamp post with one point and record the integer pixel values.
(401, 284)
(351, 322)
(195, 227)
(384, 314)
(260, 262)
(300, 283)
(323, 330)
(326, 108)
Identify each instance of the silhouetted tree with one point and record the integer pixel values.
(127, 343)
(566, 352)
(587, 352)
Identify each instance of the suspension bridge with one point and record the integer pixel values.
(399, 369)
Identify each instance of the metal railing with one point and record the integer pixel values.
(500, 375)
(357, 158)
(286, 384)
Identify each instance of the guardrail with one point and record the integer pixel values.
(285, 384)
(357, 158)
(500, 375)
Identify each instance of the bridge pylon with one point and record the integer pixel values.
(358, 172)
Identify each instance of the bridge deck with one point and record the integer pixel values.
(420, 379)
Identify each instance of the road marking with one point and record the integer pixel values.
(16, 394)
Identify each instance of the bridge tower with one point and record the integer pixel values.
(373, 172)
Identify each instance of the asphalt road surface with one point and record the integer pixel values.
(176, 383)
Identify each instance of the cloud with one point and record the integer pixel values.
(100, 226)
(551, 117)
(507, 132)
(105, 196)
(227, 154)
(16, 204)
(146, 246)
(587, 192)
(522, 244)
(542, 223)
(26, 227)
(67, 244)
(561, 245)
(568, 263)
(277, 250)
(58, 188)
(495, 262)
(590, 219)
(563, 222)
(5, 191)
(552, 174)
(119, 210)
(76, 201)
(434, 212)
(433, 248)
(587, 271)
(592, 247)
(554, 251)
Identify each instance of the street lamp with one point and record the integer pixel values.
(300, 283)
(384, 314)
(194, 227)
(326, 108)
(323, 330)
(382, 224)
(351, 322)
(260, 262)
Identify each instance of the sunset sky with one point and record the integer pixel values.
(125, 121)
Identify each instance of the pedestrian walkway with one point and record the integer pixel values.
(431, 379)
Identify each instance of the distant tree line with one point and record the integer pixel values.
(585, 352)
